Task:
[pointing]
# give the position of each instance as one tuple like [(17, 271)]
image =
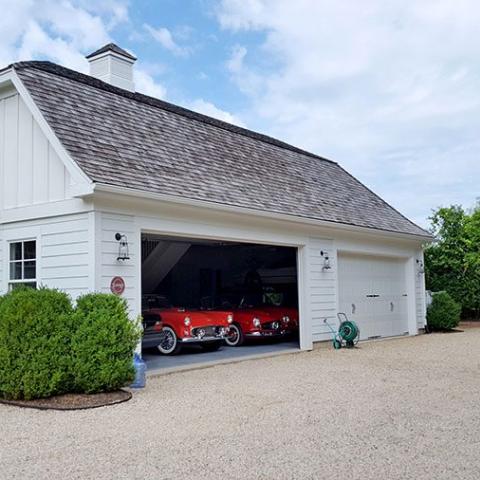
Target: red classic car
[(261, 322), (257, 322), (182, 326)]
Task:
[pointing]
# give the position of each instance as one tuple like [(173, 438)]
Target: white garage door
[(373, 293)]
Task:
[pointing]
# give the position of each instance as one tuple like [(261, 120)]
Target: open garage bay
[(210, 300)]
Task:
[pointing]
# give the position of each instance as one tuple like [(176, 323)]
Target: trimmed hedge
[(34, 345), (443, 313), (48, 348), (103, 343)]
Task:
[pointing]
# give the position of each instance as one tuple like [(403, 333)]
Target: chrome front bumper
[(268, 333), (206, 334), (201, 339)]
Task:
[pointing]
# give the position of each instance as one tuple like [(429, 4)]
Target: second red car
[(262, 322)]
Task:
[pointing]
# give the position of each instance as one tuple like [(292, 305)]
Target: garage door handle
[(373, 296), (353, 308), (392, 306)]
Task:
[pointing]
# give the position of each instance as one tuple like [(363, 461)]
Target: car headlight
[(256, 322), (187, 321), (286, 319), (229, 318)]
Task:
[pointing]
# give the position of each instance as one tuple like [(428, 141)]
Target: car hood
[(290, 311), (198, 318), (206, 317), (265, 314)]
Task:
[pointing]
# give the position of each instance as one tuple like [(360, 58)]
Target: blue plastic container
[(140, 372)]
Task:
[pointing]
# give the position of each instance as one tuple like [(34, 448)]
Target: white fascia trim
[(114, 189), (75, 171)]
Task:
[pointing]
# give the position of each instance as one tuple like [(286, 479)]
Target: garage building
[(84, 158)]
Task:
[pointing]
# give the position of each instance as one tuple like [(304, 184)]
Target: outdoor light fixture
[(122, 247), (420, 267), (326, 261)]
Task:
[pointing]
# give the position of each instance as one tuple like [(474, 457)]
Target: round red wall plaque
[(117, 285)]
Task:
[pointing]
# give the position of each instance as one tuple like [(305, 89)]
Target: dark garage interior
[(205, 275)]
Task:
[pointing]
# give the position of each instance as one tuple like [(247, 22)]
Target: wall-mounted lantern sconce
[(420, 267), (326, 261), (122, 247)]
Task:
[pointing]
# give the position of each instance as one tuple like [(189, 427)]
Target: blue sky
[(387, 89)]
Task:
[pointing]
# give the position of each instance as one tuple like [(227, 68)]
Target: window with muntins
[(23, 264)]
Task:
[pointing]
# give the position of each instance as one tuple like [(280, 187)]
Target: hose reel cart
[(348, 333)]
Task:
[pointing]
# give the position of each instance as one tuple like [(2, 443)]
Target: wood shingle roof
[(131, 140)]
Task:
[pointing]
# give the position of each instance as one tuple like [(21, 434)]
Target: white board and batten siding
[(322, 286), (30, 170), (63, 251)]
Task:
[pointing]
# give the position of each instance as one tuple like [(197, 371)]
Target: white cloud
[(235, 62), (64, 32), (60, 31), (388, 89), (248, 81), (165, 38), (146, 84), (84, 29), (207, 108), (36, 43)]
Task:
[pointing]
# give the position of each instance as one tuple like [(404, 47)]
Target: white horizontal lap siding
[(110, 224), (63, 258), (31, 171), (322, 287), (64, 261)]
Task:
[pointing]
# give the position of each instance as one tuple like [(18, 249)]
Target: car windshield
[(155, 301), (218, 302), (273, 298), (242, 300)]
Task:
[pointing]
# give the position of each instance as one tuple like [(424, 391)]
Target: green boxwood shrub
[(443, 313), (103, 343), (48, 348), (35, 326)]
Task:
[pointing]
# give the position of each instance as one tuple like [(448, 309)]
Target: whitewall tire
[(169, 344)]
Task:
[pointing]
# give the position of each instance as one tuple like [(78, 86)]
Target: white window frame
[(22, 280)]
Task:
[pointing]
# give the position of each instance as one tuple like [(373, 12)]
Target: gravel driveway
[(398, 409)]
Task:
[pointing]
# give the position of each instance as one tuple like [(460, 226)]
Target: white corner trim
[(303, 286), (75, 171), (175, 199), (410, 274)]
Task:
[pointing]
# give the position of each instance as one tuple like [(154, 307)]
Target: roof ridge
[(56, 69)]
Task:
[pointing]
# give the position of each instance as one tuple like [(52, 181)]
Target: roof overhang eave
[(175, 199)]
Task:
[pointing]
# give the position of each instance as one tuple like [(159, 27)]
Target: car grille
[(276, 325), (210, 331)]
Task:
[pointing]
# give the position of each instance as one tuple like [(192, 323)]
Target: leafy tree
[(453, 261)]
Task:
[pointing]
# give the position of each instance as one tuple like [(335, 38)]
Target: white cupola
[(113, 65)]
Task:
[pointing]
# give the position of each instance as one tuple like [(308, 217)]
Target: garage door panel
[(372, 293)]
